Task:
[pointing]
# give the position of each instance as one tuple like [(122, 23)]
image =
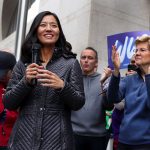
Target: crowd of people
[(50, 101)]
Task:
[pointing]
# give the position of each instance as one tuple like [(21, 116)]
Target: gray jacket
[(90, 119), (44, 119)]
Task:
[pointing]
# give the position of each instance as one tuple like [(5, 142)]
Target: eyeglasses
[(141, 50)]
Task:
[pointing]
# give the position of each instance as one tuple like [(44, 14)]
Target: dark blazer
[(44, 119)]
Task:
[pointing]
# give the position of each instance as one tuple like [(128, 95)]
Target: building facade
[(85, 22)]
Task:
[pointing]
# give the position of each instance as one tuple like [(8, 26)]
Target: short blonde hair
[(143, 38)]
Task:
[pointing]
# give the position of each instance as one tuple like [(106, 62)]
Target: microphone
[(35, 58), (35, 53)]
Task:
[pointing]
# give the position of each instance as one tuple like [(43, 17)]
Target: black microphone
[(35, 58)]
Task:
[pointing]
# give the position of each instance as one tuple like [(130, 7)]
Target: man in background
[(89, 124)]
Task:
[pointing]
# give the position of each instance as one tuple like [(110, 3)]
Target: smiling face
[(142, 54), (48, 31)]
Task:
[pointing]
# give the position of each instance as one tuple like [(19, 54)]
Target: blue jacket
[(135, 127)]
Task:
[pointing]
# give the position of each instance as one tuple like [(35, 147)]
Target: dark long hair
[(63, 47)]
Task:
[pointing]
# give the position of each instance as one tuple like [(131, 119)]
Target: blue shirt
[(135, 126)]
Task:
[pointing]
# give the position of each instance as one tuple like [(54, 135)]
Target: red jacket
[(6, 126)]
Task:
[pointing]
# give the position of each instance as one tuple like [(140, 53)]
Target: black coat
[(44, 119)]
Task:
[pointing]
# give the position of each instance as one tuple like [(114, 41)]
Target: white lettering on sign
[(125, 49)]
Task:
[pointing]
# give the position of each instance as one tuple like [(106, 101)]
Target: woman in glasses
[(135, 90)]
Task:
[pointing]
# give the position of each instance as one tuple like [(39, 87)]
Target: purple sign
[(124, 43)]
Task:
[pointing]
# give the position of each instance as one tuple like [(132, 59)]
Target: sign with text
[(124, 43)]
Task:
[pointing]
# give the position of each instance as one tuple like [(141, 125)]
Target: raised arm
[(113, 89)]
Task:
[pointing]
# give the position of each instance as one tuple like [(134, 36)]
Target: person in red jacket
[(7, 118)]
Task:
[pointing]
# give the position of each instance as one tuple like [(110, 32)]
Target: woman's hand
[(31, 72), (49, 79), (115, 60)]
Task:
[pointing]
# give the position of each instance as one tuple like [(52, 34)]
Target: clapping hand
[(106, 73), (115, 60)]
